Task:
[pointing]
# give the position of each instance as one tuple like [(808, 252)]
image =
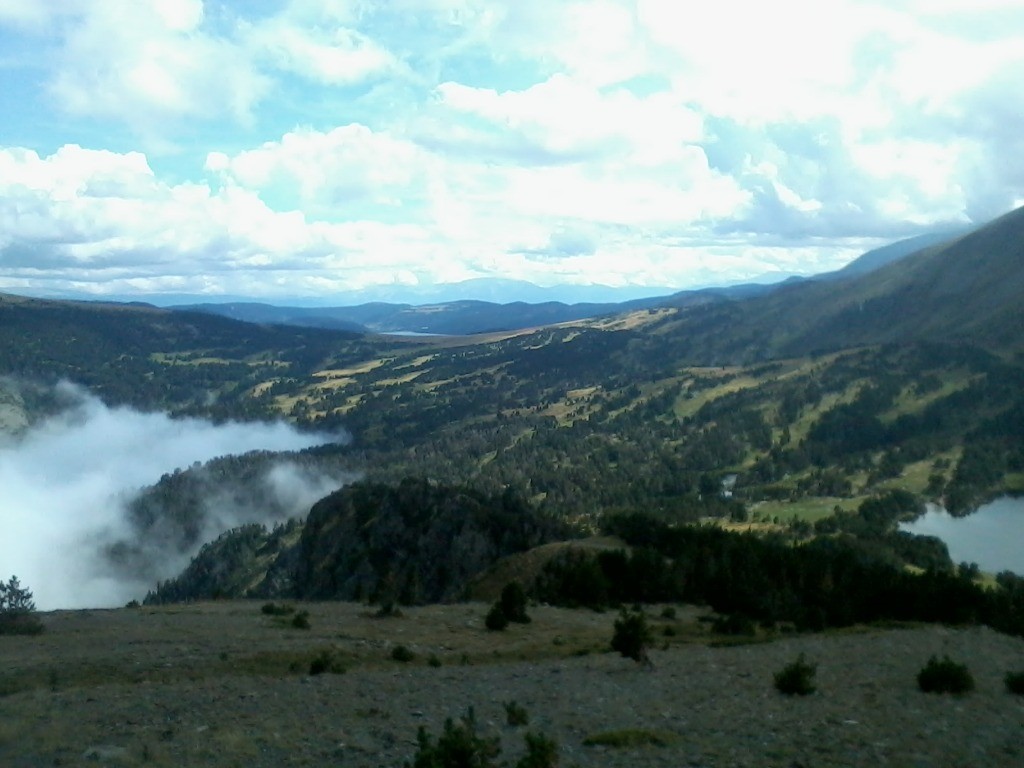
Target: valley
[(745, 461)]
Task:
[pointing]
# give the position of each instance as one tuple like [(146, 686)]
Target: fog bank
[(65, 483)]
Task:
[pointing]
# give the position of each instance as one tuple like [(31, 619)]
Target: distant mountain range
[(465, 317), (929, 287)]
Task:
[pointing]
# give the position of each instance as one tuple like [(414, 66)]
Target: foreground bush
[(513, 603), (326, 662), (944, 676), (402, 654), (275, 609), (1015, 682), (496, 619), (510, 607), (797, 678), (458, 746), (515, 714), (541, 752), (632, 636)]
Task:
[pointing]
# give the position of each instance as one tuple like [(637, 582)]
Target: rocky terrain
[(223, 684)]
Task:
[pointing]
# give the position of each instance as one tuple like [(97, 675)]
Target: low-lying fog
[(65, 483)]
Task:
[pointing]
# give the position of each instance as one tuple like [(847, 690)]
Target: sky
[(316, 148)]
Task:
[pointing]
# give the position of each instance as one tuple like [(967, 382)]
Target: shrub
[(1015, 682), (734, 624), (17, 610), (458, 746), (496, 619), (301, 620), (668, 612), (632, 636), (513, 603), (797, 678), (326, 662), (515, 714), (273, 609), (945, 676), (402, 654), (541, 752), (433, 660)]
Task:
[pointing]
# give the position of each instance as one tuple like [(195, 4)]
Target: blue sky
[(310, 148)]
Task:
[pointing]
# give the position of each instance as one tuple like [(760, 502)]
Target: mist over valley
[(70, 480)]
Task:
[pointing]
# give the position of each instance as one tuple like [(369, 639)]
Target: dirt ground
[(222, 684)]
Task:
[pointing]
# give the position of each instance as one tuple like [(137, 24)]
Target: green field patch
[(689, 403), (810, 509), (352, 371)]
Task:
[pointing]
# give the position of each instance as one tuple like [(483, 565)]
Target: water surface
[(992, 537)]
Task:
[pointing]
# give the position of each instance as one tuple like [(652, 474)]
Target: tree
[(17, 609)]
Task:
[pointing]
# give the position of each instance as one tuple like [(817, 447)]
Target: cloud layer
[(66, 483), (318, 148)]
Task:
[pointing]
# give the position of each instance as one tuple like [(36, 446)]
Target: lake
[(992, 537)]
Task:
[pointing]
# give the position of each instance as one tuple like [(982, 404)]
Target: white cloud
[(150, 61), (415, 141), (565, 118), (329, 169), (338, 56)]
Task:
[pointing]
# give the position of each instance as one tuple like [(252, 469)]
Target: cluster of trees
[(411, 543), (828, 582)]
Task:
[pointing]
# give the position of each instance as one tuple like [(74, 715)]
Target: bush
[(433, 661), (541, 752), (734, 624), (402, 654), (17, 610), (797, 678), (458, 746), (632, 636), (273, 609), (513, 603), (326, 662), (496, 619), (944, 676), (511, 606), (515, 714), (301, 620), (1015, 682)]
